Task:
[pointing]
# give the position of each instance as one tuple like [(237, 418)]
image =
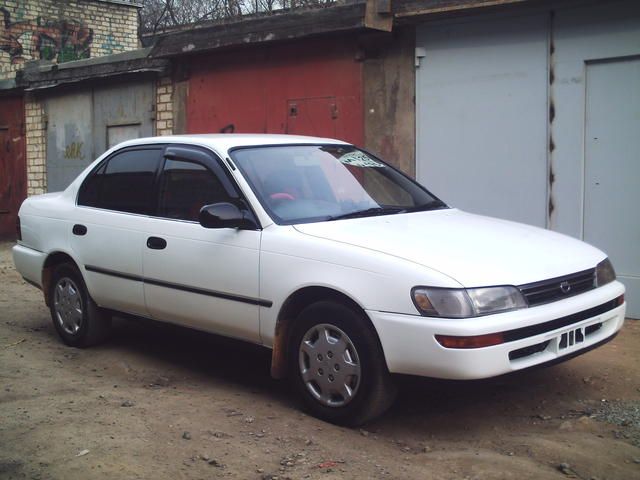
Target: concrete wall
[(389, 97), (63, 30)]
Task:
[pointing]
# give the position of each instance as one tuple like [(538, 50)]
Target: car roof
[(227, 141)]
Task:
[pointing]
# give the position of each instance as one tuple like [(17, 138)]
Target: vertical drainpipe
[(551, 207)]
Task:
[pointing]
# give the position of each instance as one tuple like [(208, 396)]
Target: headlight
[(605, 273), (464, 303)]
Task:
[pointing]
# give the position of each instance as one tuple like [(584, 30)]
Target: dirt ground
[(163, 402)]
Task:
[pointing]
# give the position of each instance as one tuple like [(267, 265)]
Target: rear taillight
[(18, 229)]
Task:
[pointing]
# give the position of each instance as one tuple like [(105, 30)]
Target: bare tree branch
[(156, 15)]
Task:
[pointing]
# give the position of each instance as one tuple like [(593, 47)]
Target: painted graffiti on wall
[(44, 39), (73, 151)]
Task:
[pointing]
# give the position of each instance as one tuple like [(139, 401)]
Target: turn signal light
[(478, 341), (620, 300)]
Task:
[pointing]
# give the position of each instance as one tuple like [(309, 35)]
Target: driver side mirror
[(226, 215)]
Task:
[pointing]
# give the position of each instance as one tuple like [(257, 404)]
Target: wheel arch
[(291, 308), (52, 261)]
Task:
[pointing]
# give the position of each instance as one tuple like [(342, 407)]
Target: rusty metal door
[(84, 124), (13, 176), (312, 116), (319, 77)]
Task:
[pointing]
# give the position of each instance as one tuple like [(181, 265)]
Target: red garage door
[(311, 88), (13, 173)]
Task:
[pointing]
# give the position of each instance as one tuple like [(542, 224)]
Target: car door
[(109, 228), (203, 278)]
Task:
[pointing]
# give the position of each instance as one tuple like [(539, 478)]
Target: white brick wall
[(36, 146), (164, 106)]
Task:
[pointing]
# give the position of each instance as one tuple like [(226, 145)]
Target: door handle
[(156, 243), (79, 229)]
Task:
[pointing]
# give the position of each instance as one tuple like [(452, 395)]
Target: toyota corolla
[(346, 268)]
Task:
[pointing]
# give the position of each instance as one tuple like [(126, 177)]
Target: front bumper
[(410, 346)]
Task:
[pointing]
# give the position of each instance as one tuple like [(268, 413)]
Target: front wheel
[(337, 365), (76, 317)]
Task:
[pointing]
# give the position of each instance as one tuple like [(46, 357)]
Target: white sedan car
[(346, 268)]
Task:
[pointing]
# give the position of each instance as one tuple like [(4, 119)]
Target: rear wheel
[(337, 366), (76, 317)]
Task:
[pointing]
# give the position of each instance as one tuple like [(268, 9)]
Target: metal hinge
[(420, 54)]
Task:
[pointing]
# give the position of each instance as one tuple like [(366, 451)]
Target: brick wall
[(164, 106), (36, 146), (63, 30)]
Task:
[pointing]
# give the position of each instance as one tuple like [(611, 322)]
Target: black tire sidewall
[(70, 271), (366, 345)]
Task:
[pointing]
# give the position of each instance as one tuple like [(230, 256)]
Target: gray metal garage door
[(481, 91), (612, 168), (596, 132), (84, 124), (535, 118)]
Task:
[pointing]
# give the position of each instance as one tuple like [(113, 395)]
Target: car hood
[(472, 249)]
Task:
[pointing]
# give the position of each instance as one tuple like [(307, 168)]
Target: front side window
[(311, 183), (124, 183), (186, 187)]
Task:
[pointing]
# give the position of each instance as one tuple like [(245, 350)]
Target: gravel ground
[(623, 414), (164, 402)]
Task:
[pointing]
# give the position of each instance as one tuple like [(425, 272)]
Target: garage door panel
[(84, 124), (481, 115), (582, 34), (69, 138), (612, 168)]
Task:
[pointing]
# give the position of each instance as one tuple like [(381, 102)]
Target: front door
[(612, 168), (203, 278)]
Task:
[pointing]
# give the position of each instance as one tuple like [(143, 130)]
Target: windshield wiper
[(369, 212)]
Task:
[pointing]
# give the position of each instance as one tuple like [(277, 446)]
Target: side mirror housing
[(226, 215)]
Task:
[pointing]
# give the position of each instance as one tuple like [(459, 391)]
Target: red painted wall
[(311, 87)]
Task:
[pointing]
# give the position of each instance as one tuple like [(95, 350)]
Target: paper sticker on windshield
[(359, 159)]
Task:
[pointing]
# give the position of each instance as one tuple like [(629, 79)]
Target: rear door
[(109, 231), (203, 278)]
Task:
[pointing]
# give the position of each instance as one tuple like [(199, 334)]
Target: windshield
[(312, 183)]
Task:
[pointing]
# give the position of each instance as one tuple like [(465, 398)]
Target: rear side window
[(125, 183)]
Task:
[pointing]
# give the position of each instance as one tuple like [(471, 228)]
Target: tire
[(76, 317), (337, 366)]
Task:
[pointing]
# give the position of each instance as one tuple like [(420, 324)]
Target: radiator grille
[(558, 288)]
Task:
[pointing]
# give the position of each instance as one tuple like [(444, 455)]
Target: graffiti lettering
[(43, 39), (73, 151)]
